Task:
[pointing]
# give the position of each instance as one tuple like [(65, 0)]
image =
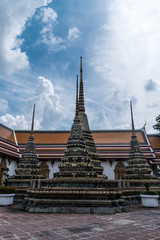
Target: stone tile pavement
[(138, 224)]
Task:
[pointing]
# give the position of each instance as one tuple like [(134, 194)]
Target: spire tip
[(133, 129), (81, 94), (32, 127)]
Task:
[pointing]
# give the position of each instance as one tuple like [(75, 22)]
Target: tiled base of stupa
[(85, 196), (74, 201), (29, 178), (22, 185), (76, 196)]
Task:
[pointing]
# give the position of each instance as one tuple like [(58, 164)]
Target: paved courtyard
[(139, 224)]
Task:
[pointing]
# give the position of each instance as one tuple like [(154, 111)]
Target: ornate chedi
[(80, 158), (91, 148), (138, 167), (76, 161), (79, 186), (28, 167)]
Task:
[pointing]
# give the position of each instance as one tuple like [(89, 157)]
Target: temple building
[(109, 151)]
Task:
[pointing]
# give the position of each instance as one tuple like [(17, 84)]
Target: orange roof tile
[(100, 137), (154, 141), (11, 137), (6, 133), (113, 137), (43, 137)]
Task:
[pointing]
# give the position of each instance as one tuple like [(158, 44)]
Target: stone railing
[(123, 185)]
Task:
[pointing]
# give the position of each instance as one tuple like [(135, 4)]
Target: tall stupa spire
[(76, 162), (77, 105), (81, 93), (135, 148), (133, 129), (32, 126), (30, 147)]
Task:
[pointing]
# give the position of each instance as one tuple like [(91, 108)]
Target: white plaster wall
[(125, 163), (109, 169), (12, 167), (55, 166), (52, 169)]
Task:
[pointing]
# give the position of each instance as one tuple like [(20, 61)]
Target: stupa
[(76, 162), (28, 169), (90, 144), (80, 185), (138, 167)]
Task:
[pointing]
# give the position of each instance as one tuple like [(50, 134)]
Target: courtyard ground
[(138, 224)]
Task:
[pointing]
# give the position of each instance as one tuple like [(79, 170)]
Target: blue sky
[(41, 44)]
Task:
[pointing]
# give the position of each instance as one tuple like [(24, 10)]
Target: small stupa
[(138, 167), (28, 167)]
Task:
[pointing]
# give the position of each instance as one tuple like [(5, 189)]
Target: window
[(119, 170), (44, 169), (3, 167)]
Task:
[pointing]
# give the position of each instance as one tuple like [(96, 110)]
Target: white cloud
[(49, 18), (73, 33), (12, 122), (13, 17), (49, 109), (99, 119), (54, 108), (48, 15), (125, 55)]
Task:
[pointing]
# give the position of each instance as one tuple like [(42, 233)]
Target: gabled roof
[(6, 133), (109, 144), (61, 137), (7, 142), (51, 144), (154, 140), (117, 136), (43, 137)]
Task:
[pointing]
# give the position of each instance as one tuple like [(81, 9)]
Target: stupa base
[(76, 210), (76, 200)]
